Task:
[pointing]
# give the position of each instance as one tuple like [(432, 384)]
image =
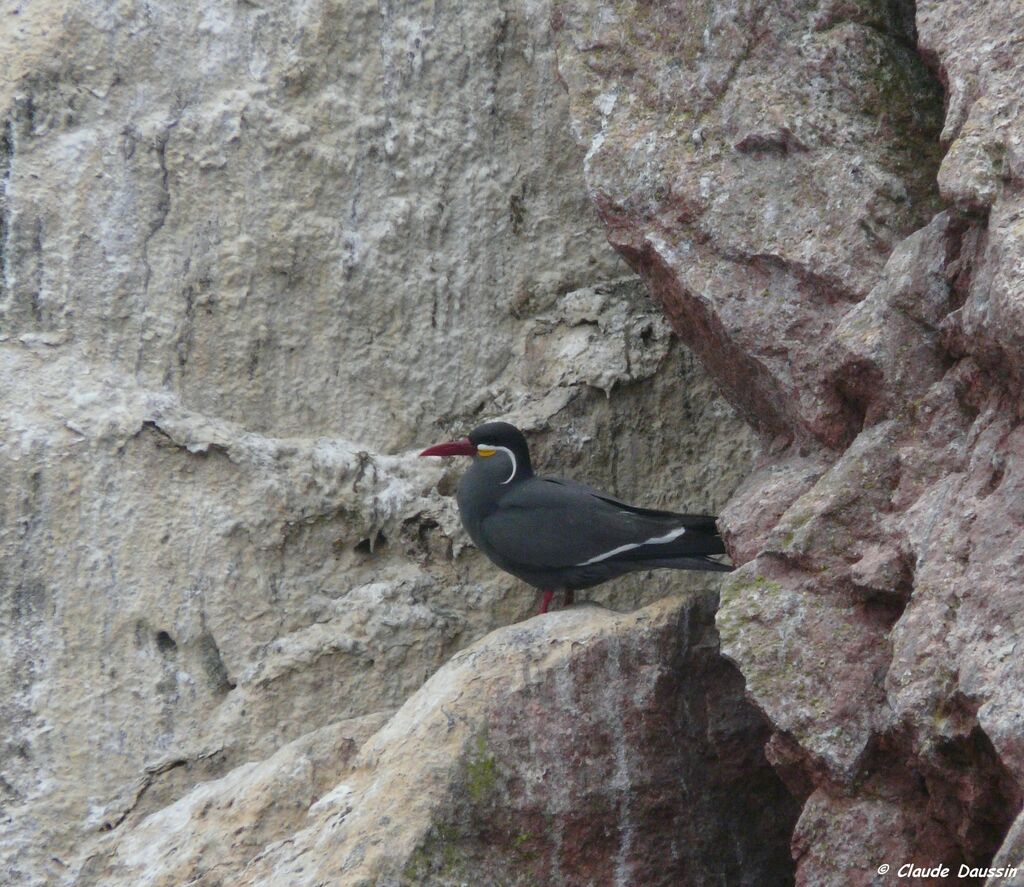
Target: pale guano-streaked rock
[(584, 748), (776, 172), (251, 258), (237, 605), (220, 825), (231, 819)]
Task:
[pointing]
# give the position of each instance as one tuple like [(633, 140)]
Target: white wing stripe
[(657, 540)]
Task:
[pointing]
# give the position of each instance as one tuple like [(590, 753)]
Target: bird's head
[(493, 439)]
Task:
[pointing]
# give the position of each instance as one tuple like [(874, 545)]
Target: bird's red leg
[(548, 594), (570, 597)]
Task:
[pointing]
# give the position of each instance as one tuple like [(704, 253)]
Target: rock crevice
[(253, 257), (875, 610)]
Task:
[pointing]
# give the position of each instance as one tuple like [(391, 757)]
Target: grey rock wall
[(585, 748), (253, 256)]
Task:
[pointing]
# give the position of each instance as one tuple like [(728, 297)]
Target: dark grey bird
[(557, 534)]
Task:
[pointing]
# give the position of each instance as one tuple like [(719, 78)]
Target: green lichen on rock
[(445, 854), (481, 772), (439, 857), (738, 584)]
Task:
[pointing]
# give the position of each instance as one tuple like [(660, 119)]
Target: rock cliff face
[(588, 748), (253, 255), (849, 268)]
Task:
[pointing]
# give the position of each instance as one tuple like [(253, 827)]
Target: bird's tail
[(700, 547), (692, 562)]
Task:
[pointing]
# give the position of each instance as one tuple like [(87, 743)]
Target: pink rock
[(774, 174)]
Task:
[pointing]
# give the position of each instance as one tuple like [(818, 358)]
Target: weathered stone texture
[(584, 748), (722, 171), (775, 171), (248, 253)]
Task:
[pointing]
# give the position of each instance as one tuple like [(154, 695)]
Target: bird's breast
[(474, 502)]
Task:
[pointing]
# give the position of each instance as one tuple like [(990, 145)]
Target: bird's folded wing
[(557, 524)]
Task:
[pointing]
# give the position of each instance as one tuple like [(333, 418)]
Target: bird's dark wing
[(705, 523), (558, 524)]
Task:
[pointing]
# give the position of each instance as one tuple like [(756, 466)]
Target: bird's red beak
[(464, 447)]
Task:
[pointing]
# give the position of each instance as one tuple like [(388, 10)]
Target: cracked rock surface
[(587, 748), (825, 197), (252, 258)]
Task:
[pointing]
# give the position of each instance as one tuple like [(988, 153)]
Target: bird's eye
[(481, 451)]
